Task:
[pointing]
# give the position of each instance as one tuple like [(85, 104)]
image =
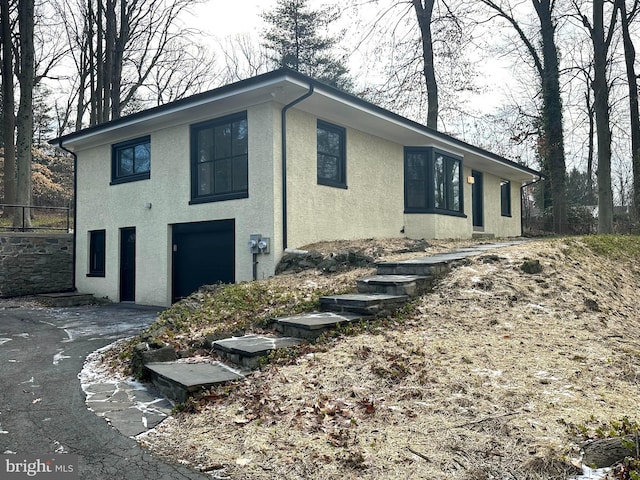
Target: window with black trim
[(433, 182), (131, 160), (331, 163), (505, 198), (97, 249), (219, 159)]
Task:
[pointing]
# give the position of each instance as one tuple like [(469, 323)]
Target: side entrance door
[(203, 254), (477, 200), (128, 264)]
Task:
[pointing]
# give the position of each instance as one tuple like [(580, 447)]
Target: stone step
[(437, 264), (411, 285), (483, 235), (313, 324), (375, 304), (66, 299), (180, 380), (246, 351)]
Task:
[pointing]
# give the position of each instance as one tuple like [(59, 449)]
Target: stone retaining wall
[(32, 263)]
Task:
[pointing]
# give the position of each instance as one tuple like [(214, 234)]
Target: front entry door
[(128, 264), (476, 200)]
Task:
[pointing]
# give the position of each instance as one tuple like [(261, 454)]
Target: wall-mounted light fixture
[(471, 180)]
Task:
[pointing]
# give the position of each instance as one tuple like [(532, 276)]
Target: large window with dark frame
[(433, 182), (131, 160), (219, 159), (505, 198), (331, 163), (97, 249)]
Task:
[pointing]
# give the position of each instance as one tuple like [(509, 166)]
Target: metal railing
[(27, 212)]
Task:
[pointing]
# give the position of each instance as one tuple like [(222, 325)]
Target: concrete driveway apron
[(42, 405)]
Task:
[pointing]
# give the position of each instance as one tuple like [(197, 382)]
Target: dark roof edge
[(168, 106), (417, 125), (282, 72)]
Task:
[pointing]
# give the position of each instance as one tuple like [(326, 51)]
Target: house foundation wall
[(32, 263)]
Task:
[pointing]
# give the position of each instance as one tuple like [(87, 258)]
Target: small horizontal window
[(131, 161)]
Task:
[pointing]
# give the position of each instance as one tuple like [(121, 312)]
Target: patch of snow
[(487, 372), (58, 357), (4, 340), (591, 474), (545, 375), (59, 447), (535, 306), (23, 335)]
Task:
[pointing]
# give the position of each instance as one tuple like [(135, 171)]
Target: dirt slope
[(494, 375)]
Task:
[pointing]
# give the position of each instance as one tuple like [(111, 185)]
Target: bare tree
[(423, 45), (626, 18), (185, 69), (24, 119), (8, 105), (601, 37), (243, 58), (120, 47), (545, 60), (424, 14)]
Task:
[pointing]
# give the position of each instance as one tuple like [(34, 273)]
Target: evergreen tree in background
[(294, 41)]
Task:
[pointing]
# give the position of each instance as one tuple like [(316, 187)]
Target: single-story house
[(215, 187)]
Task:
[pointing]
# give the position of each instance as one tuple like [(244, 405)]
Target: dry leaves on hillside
[(486, 378)]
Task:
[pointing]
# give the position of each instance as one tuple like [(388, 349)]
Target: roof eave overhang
[(283, 86)]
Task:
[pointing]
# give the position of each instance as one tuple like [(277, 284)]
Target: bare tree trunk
[(634, 112), (424, 14), (97, 65), (118, 55), (8, 110), (551, 145), (24, 120), (590, 146), (552, 116), (109, 58), (601, 106)]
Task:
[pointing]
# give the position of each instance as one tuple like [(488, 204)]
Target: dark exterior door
[(127, 264), (203, 254), (476, 199)]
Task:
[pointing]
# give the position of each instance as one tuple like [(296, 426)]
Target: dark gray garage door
[(203, 254)]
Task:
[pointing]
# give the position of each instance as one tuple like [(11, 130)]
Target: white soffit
[(284, 89)]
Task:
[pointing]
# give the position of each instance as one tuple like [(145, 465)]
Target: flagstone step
[(179, 380), (66, 299), (246, 351), (410, 285), (313, 324), (424, 266), (375, 304)]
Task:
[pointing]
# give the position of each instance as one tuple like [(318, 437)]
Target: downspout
[(522, 201), (75, 229), (284, 162)]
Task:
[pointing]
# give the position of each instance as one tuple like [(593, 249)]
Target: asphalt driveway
[(42, 406)]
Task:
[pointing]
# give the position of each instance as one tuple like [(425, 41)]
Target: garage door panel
[(203, 254)]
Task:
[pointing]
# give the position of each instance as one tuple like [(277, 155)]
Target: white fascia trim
[(443, 139), (170, 111)]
